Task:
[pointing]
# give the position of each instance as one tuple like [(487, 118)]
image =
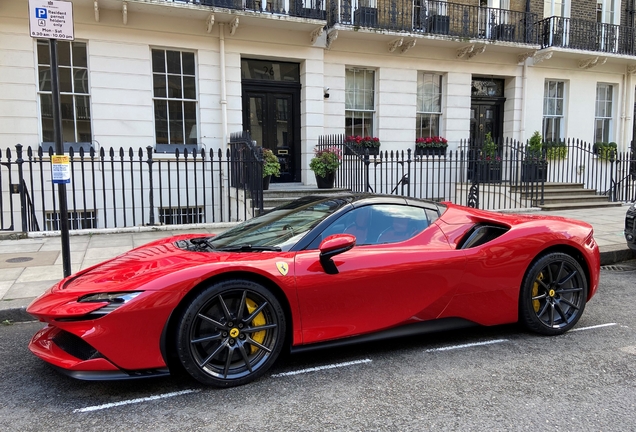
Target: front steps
[(283, 193), (570, 196)]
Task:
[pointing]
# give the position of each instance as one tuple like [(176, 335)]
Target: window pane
[(44, 73), (83, 118), (46, 114), (188, 63), (79, 54), (82, 108), (159, 85), (174, 87), (174, 61), (176, 122), (190, 117), (189, 87), (43, 52), (158, 61), (80, 80), (68, 118), (63, 53), (65, 79), (161, 121)]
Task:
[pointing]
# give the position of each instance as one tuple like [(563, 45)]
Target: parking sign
[(51, 19)]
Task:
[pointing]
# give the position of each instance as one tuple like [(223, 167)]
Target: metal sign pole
[(52, 20), (59, 150)]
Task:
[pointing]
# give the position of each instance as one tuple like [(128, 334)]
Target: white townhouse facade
[(186, 74)]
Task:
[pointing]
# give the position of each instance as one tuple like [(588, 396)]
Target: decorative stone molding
[(464, 51), (470, 51), (592, 62), (331, 37), (210, 23), (234, 25), (96, 7), (124, 12), (525, 56), (477, 51), (315, 34), (541, 57), (407, 46), (394, 44), (631, 69)]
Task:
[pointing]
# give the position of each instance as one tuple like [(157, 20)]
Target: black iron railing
[(510, 178), (586, 35), (134, 187), (247, 168), (435, 17)]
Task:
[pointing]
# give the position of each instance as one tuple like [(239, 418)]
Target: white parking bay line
[(593, 327), (319, 368), (469, 345), (133, 401)]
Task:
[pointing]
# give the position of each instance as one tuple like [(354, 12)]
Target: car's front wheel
[(553, 294), (231, 333)]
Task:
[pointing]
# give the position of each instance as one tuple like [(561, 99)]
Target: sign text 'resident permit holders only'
[(51, 19)]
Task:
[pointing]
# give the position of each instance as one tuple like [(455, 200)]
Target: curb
[(12, 311)]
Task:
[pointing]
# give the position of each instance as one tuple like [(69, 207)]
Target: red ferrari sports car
[(320, 271)]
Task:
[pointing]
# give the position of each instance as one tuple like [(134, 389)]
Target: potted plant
[(431, 146), (534, 167), (555, 150), (489, 162), (271, 167), (359, 144), (605, 150), (324, 165)]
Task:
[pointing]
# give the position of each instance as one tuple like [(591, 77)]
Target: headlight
[(114, 300)]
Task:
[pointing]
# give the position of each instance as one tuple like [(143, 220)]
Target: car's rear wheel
[(231, 333), (553, 294)]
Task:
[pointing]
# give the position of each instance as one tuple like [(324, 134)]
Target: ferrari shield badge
[(282, 267)]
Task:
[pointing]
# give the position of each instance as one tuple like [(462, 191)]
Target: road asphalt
[(30, 265)]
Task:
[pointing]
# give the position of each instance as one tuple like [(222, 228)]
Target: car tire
[(553, 294), (230, 333)]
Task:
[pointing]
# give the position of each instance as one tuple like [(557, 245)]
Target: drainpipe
[(524, 95), (626, 117), (223, 83)]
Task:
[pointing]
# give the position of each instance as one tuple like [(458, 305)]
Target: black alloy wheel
[(553, 294), (231, 333)]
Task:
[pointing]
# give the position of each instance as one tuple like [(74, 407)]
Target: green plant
[(325, 161), (605, 150), (555, 150), (271, 166), (534, 147), (489, 149)]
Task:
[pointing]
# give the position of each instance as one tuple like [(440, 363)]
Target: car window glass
[(379, 223)]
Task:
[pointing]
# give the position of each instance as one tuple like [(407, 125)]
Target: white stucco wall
[(121, 80)]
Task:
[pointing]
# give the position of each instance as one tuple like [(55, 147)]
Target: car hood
[(148, 267)]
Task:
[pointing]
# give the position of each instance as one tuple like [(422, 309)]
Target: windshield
[(283, 227)]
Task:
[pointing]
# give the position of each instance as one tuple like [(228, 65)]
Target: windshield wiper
[(202, 241), (249, 248)]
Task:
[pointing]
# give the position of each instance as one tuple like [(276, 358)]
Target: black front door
[(485, 117), (271, 111), (270, 117)]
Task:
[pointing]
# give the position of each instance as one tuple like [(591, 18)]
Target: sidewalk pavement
[(29, 266)]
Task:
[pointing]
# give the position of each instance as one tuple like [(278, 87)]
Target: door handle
[(481, 128)]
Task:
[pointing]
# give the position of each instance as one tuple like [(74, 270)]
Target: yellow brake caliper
[(258, 320), (535, 291)]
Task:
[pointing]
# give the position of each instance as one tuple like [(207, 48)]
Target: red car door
[(378, 286)]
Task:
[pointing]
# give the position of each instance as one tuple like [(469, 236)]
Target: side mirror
[(332, 246)]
